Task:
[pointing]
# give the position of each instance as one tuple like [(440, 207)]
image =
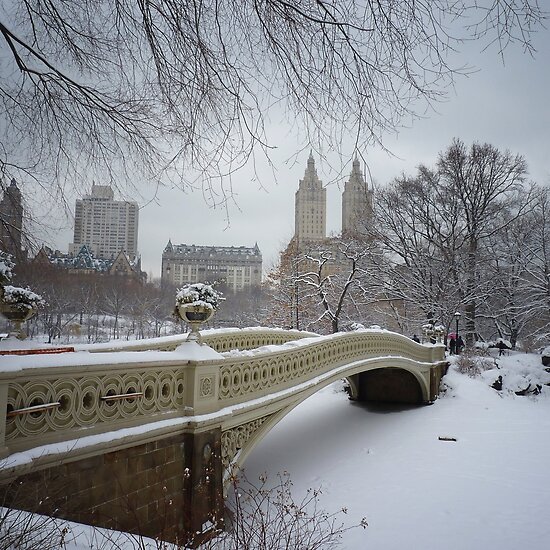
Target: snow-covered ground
[(487, 490)]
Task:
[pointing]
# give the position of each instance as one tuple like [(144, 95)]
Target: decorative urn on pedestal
[(19, 305), (439, 332), (16, 304), (195, 304), (427, 332)]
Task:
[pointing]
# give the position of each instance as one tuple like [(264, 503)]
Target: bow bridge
[(144, 438)]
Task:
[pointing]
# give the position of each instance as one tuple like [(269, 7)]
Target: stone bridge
[(144, 439)]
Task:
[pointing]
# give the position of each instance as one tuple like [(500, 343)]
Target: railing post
[(204, 504), (438, 353), (437, 370), (202, 387)]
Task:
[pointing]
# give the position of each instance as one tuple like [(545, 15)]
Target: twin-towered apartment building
[(310, 223)]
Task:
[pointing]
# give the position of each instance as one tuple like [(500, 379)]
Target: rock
[(497, 384)]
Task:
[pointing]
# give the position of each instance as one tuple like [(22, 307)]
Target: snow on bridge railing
[(220, 339), (128, 395)]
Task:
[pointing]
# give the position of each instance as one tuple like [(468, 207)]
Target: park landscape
[(380, 383)]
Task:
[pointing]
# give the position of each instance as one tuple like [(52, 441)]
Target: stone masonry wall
[(144, 489)]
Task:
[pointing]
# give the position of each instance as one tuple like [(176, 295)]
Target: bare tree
[(25, 530), (437, 228), (335, 281), (528, 269), (242, 308), (285, 307), (488, 186), (419, 230), (95, 88), (266, 515), (510, 309)]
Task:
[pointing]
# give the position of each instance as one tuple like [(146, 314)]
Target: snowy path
[(488, 490)]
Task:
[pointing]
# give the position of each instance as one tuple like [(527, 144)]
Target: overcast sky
[(504, 103)]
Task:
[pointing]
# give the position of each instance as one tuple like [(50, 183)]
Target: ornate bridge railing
[(192, 418), (64, 397), (256, 375)]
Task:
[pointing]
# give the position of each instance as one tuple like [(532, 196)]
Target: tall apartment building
[(356, 202), (310, 222), (11, 221), (104, 225), (239, 267)]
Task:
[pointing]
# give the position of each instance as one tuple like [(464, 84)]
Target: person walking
[(459, 345), (452, 345)]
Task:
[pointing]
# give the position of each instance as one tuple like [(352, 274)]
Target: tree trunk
[(513, 337), (470, 309)]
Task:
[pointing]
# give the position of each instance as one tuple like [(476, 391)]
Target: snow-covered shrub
[(473, 365), (23, 298), (503, 342), (25, 530), (498, 343), (199, 294), (479, 345), (266, 516)]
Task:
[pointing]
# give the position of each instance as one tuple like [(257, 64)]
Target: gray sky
[(504, 103)]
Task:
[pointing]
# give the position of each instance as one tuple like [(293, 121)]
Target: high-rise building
[(239, 267), (356, 202), (104, 225), (310, 207), (11, 221)]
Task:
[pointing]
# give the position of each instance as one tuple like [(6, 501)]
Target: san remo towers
[(310, 225)]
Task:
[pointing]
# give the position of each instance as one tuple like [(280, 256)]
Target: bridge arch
[(370, 380), (389, 385)]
